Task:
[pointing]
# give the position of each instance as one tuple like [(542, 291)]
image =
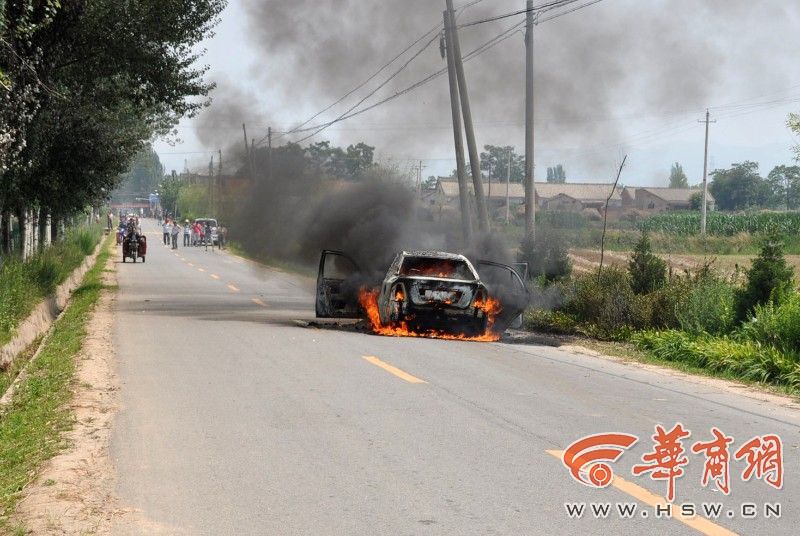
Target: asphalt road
[(236, 420)]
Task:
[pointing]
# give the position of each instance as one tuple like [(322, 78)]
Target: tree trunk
[(54, 234), (5, 232), (22, 223), (44, 228)]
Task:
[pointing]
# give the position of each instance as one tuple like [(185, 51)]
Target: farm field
[(587, 260)]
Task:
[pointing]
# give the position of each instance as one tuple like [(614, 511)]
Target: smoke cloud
[(614, 58)]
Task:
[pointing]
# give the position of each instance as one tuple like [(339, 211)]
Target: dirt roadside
[(73, 493)]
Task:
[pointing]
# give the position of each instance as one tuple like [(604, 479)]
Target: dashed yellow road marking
[(698, 523), (215, 276), (201, 270), (190, 264), (233, 288), (393, 370), (259, 302)]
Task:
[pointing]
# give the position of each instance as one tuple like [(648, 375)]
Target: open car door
[(337, 289), (505, 284)]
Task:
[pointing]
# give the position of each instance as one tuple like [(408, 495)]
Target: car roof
[(432, 254)]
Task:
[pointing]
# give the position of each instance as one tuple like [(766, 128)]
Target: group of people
[(194, 234)]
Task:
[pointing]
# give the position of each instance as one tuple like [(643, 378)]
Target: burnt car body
[(425, 291)]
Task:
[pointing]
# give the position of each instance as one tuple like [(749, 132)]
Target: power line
[(502, 36), (371, 93), (361, 85), (535, 9)]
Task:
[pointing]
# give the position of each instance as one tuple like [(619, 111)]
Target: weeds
[(30, 430), (24, 284)]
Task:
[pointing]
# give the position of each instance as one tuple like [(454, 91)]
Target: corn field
[(722, 224)]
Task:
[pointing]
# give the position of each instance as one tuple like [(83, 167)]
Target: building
[(654, 199), (549, 196)]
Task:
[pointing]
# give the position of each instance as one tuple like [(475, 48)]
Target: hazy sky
[(619, 77)]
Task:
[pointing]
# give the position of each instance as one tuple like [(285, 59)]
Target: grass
[(24, 284), (32, 426)]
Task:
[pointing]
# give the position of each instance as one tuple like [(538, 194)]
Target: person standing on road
[(207, 236), (165, 228), (175, 231), (187, 233)]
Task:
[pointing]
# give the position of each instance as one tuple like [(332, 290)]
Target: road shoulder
[(73, 492)]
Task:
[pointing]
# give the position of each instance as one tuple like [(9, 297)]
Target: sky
[(621, 77)]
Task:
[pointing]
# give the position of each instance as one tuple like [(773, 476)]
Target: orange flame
[(369, 302)]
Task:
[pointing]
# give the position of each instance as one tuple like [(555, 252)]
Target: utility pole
[(530, 185), (210, 183), (419, 180), (253, 157), (474, 158), (463, 192), (269, 153), (508, 182), (704, 208), (218, 193), (247, 154)]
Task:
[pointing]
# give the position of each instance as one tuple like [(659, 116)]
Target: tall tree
[(677, 178), (556, 174), (737, 188), (794, 125), (144, 173), (784, 183), (494, 163)]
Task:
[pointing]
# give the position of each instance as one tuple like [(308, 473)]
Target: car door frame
[(513, 318), (322, 306)]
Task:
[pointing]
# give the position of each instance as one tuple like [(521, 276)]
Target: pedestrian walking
[(175, 231), (165, 228), (187, 233)]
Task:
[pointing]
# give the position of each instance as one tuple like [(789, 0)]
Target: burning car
[(424, 293)]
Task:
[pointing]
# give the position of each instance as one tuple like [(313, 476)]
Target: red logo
[(585, 457)]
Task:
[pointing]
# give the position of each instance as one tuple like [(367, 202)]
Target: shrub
[(648, 272), (768, 279), (707, 307), (548, 256), (775, 325), (608, 304)]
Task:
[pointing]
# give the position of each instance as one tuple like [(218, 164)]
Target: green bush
[(607, 304), (747, 360), (548, 256), (648, 272), (775, 325), (707, 307), (769, 279), (23, 284), (550, 321)]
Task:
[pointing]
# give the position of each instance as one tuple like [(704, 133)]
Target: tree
[(677, 178), (107, 76), (769, 279), (737, 188), (144, 173), (794, 124), (785, 185), (696, 201), (494, 163), (556, 174), (648, 271)]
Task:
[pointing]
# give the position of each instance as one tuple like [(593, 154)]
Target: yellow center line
[(393, 370), (233, 288), (190, 264), (215, 276), (259, 302), (700, 524), (201, 270)]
